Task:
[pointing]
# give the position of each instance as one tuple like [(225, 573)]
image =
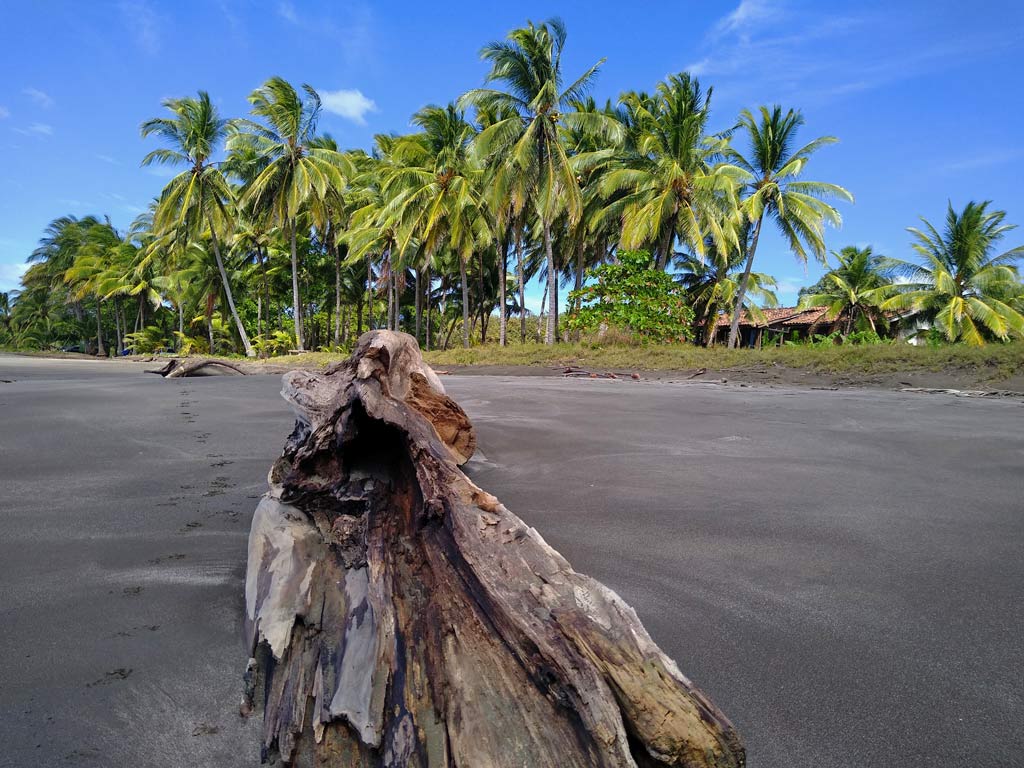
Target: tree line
[(271, 237)]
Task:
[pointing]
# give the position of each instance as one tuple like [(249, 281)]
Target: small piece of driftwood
[(398, 615)]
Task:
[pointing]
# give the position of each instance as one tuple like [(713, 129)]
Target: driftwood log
[(399, 615), (198, 366)]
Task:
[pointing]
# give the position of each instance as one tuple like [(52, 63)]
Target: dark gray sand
[(841, 570)]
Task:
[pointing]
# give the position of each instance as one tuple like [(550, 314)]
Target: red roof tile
[(784, 316)]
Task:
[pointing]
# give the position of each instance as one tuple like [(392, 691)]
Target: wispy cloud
[(4, 112), (348, 27), (350, 104), (142, 21), (40, 98), (162, 171), (108, 159), (982, 160), (287, 12), (768, 51), (746, 15), (37, 129), (10, 273)]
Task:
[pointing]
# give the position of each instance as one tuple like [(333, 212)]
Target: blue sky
[(925, 97)]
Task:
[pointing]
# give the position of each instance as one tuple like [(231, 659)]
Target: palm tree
[(959, 283), (857, 288), (799, 208), (529, 64), (435, 192), (712, 280), (89, 276), (200, 196), (673, 186), (297, 171)]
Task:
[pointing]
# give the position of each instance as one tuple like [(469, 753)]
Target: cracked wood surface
[(399, 615)]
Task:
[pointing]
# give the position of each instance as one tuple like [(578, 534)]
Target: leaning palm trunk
[(741, 291), (398, 615), (227, 293), (296, 306)]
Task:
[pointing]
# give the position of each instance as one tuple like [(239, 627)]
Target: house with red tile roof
[(773, 325)]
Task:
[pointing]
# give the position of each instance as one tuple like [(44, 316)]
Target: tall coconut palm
[(199, 197), (673, 186), (961, 285), (436, 191), (856, 288), (799, 208), (529, 64), (712, 280), (297, 171)]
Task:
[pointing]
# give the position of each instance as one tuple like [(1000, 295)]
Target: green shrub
[(631, 296), (150, 339)]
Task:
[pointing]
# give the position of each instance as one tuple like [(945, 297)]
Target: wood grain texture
[(401, 616)]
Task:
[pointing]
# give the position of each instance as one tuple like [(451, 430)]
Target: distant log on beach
[(198, 366), (399, 615)]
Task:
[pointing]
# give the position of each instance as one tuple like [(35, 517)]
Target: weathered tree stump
[(401, 616)]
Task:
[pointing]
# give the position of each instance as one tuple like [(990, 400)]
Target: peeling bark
[(398, 615)]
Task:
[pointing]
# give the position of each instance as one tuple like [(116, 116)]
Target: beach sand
[(839, 570)]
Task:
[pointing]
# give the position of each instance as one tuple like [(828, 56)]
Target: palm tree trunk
[(465, 301), (419, 303), (551, 335), (579, 280), (666, 245), (296, 306), (741, 292), (227, 291), (540, 317), (266, 287), (369, 293), (522, 286), (427, 335), (391, 295), (100, 351), (502, 297), (337, 291), (480, 296)]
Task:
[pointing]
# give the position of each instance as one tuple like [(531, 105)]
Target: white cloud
[(41, 98), (162, 171), (287, 12), (747, 14), (142, 21), (108, 159), (4, 113), (39, 129), (10, 275), (350, 104)]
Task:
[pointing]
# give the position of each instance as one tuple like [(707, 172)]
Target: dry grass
[(993, 362)]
